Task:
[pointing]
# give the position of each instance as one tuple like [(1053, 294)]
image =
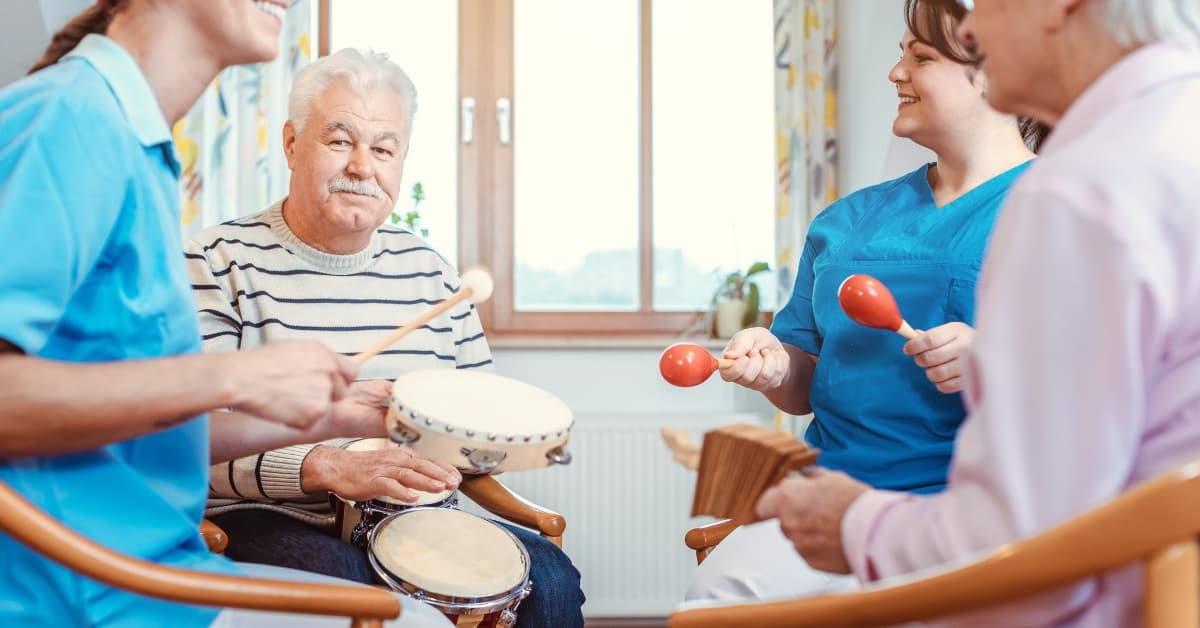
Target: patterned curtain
[(805, 126), (230, 142)]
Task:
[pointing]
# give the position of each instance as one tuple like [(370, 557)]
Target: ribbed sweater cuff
[(280, 472)]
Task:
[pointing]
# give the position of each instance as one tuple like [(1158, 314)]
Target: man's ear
[(289, 144), (1057, 12)]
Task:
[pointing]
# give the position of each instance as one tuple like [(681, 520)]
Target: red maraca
[(868, 302), (686, 364)]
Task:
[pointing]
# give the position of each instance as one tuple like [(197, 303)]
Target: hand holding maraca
[(941, 351), (765, 363)]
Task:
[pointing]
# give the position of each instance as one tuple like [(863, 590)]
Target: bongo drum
[(479, 422), (354, 520), (471, 569)]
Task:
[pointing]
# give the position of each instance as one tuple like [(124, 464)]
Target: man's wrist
[(315, 467)]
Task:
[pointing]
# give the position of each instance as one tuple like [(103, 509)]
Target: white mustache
[(341, 183)]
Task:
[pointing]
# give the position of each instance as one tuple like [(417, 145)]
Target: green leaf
[(757, 267), (752, 306)]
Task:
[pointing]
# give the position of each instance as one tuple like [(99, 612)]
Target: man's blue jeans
[(272, 538)]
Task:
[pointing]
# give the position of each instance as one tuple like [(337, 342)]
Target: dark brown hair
[(94, 19), (935, 24)]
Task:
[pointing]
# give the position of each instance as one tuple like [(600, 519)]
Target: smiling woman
[(924, 236)]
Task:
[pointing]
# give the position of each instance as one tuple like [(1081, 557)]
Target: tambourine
[(477, 421)]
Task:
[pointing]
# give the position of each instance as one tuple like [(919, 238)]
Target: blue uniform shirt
[(92, 272), (876, 416)]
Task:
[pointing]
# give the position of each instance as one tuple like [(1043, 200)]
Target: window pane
[(714, 153), (421, 36), (575, 154)]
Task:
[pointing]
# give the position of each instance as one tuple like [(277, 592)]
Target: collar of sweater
[(329, 262)]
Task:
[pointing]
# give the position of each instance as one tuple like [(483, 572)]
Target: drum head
[(450, 553), (423, 498), (481, 402)]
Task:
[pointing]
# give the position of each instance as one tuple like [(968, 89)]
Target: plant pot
[(728, 315)]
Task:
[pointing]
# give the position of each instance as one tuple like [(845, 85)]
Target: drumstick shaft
[(404, 329)]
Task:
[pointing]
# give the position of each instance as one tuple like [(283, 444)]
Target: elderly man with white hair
[(321, 265), (1084, 376)]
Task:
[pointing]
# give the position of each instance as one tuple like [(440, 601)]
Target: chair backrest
[(1159, 523)]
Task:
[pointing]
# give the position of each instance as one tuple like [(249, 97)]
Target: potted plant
[(412, 218), (736, 301)]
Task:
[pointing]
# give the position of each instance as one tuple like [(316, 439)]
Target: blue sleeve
[(61, 191), (796, 324)]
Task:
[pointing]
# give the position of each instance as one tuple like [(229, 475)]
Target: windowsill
[(599, 342)]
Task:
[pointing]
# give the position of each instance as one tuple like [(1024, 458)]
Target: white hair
[(362, 69), (1137, 22)]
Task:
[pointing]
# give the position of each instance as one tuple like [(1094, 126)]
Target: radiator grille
[(626, 503)]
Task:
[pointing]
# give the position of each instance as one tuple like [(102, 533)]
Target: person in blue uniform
[(102, 387), (885, 411)]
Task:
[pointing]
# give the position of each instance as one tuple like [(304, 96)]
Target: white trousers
[(413, 614), (757, 562)]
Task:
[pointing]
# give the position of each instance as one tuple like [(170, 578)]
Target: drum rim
[(421, 421), (462, 605)]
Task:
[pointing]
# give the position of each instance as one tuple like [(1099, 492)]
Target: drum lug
[(401, 433), (559, 455), (484, 460)]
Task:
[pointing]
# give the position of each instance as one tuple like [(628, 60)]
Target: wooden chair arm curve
[(497, 499), (47, 536), (1153, 519), (214, 537), (709, 535)]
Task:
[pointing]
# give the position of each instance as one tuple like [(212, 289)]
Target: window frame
[(486, 186)]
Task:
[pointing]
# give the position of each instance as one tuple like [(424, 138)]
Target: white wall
[(26, 32), (870, 32)]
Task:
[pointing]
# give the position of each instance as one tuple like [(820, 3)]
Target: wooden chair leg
[(1172, 586)]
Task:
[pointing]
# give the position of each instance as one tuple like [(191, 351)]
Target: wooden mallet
[(476, 285)]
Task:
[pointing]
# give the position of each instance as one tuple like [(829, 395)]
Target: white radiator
[(626, 503)]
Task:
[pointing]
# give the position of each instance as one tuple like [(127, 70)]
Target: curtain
[(805, 126), (230, 144)]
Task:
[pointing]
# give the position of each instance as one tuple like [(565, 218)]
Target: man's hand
[(941, 351), (810, 511), (394, 471), (362, 412), (761, 363), (293, 383)]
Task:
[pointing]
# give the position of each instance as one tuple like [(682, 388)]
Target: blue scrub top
[(93, 272), (876, 416)]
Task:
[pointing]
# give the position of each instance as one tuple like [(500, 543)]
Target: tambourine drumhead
[(479, 421), (450, 552), (481, 402), (423, 498)]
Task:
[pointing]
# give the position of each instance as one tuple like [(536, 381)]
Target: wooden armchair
[(1158, 523), (484, 490), (367, 607), (495, 498), (704, 538)]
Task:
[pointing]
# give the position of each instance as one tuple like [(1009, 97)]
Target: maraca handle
[(724, 363), (907, 331)]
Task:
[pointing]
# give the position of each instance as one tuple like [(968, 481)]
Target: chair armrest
[(495, 498), (367, 606), (1158, 522), (704, 538), (214, 536)]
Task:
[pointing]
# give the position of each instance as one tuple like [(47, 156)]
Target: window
[(609, 161)]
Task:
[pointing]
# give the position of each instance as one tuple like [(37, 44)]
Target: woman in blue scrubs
[(884, 411), (102, 387)]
